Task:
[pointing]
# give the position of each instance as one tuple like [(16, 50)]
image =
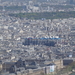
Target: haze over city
[(37, 37)]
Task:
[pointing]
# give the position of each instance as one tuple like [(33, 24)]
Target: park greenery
[(45, 15), (68, 69)]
